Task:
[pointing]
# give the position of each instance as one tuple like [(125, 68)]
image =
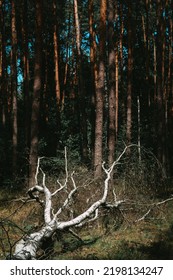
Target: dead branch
[(27, 247), (152, 207)]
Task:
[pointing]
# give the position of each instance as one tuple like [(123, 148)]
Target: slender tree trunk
[(65, 77), (168, 51), (116, 93), (93, 64), (155, 69), (67, 56), (1, 70), (5, 115), (24, 16), (100, 93), (160, 82), (57, 79), (139, 129), (129, 78), (81, 88), (1, 28), (170, 91), (14, 85), (111, 65), (123, 107), (36, 95), (56, 57), (145, 25)]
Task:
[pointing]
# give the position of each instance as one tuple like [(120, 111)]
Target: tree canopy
[(88, 75)]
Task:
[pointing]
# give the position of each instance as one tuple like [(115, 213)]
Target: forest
[(83, 83)]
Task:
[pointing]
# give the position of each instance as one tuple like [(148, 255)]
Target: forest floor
[(150, 238)]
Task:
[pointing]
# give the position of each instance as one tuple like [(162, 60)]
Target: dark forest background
[(89, 75)]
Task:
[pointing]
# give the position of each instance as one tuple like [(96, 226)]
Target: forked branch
[(27, 247)]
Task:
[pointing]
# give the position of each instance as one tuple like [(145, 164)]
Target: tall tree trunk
[(155, 69), (81, 88), (57, 79), (100, 93), (24, 17), (116, 93), (145, 26), (1, 50), (1, 27), (56, 57), (129, 75), (160, 82), (123, 107), (4, 92), (93, 64), (67, 56), (170, 90), (36, 94), (168, 51), (111, 65), (14, 85)]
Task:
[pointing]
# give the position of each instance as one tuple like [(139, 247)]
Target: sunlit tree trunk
[(57, 75), (36, 94), (14, 85), (100, 93), (56, 57), (111, 84)]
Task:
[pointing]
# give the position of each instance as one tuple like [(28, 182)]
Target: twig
[(66, 179), (66, 202), (153, 205), (144, 216)]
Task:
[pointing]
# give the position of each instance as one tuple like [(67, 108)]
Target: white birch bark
[(27, 247)]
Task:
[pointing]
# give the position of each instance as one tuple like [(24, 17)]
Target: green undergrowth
[(150, 238)]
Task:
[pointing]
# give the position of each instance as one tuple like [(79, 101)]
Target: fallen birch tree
[(27, 247)]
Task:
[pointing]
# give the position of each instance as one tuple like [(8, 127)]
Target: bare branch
[(48, 205), (153, 205), (66, 178), (27, 247), (144, 216), (66, 202), (37, 170)]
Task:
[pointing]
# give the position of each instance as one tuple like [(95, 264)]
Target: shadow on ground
[(162, 249)]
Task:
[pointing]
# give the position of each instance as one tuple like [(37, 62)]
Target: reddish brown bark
[(93, 49), (100, 93), (56, 57), (111, 65), (81, 88), (36, 95), (14, 85)]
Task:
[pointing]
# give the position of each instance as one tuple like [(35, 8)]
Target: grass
[(151, 238)]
